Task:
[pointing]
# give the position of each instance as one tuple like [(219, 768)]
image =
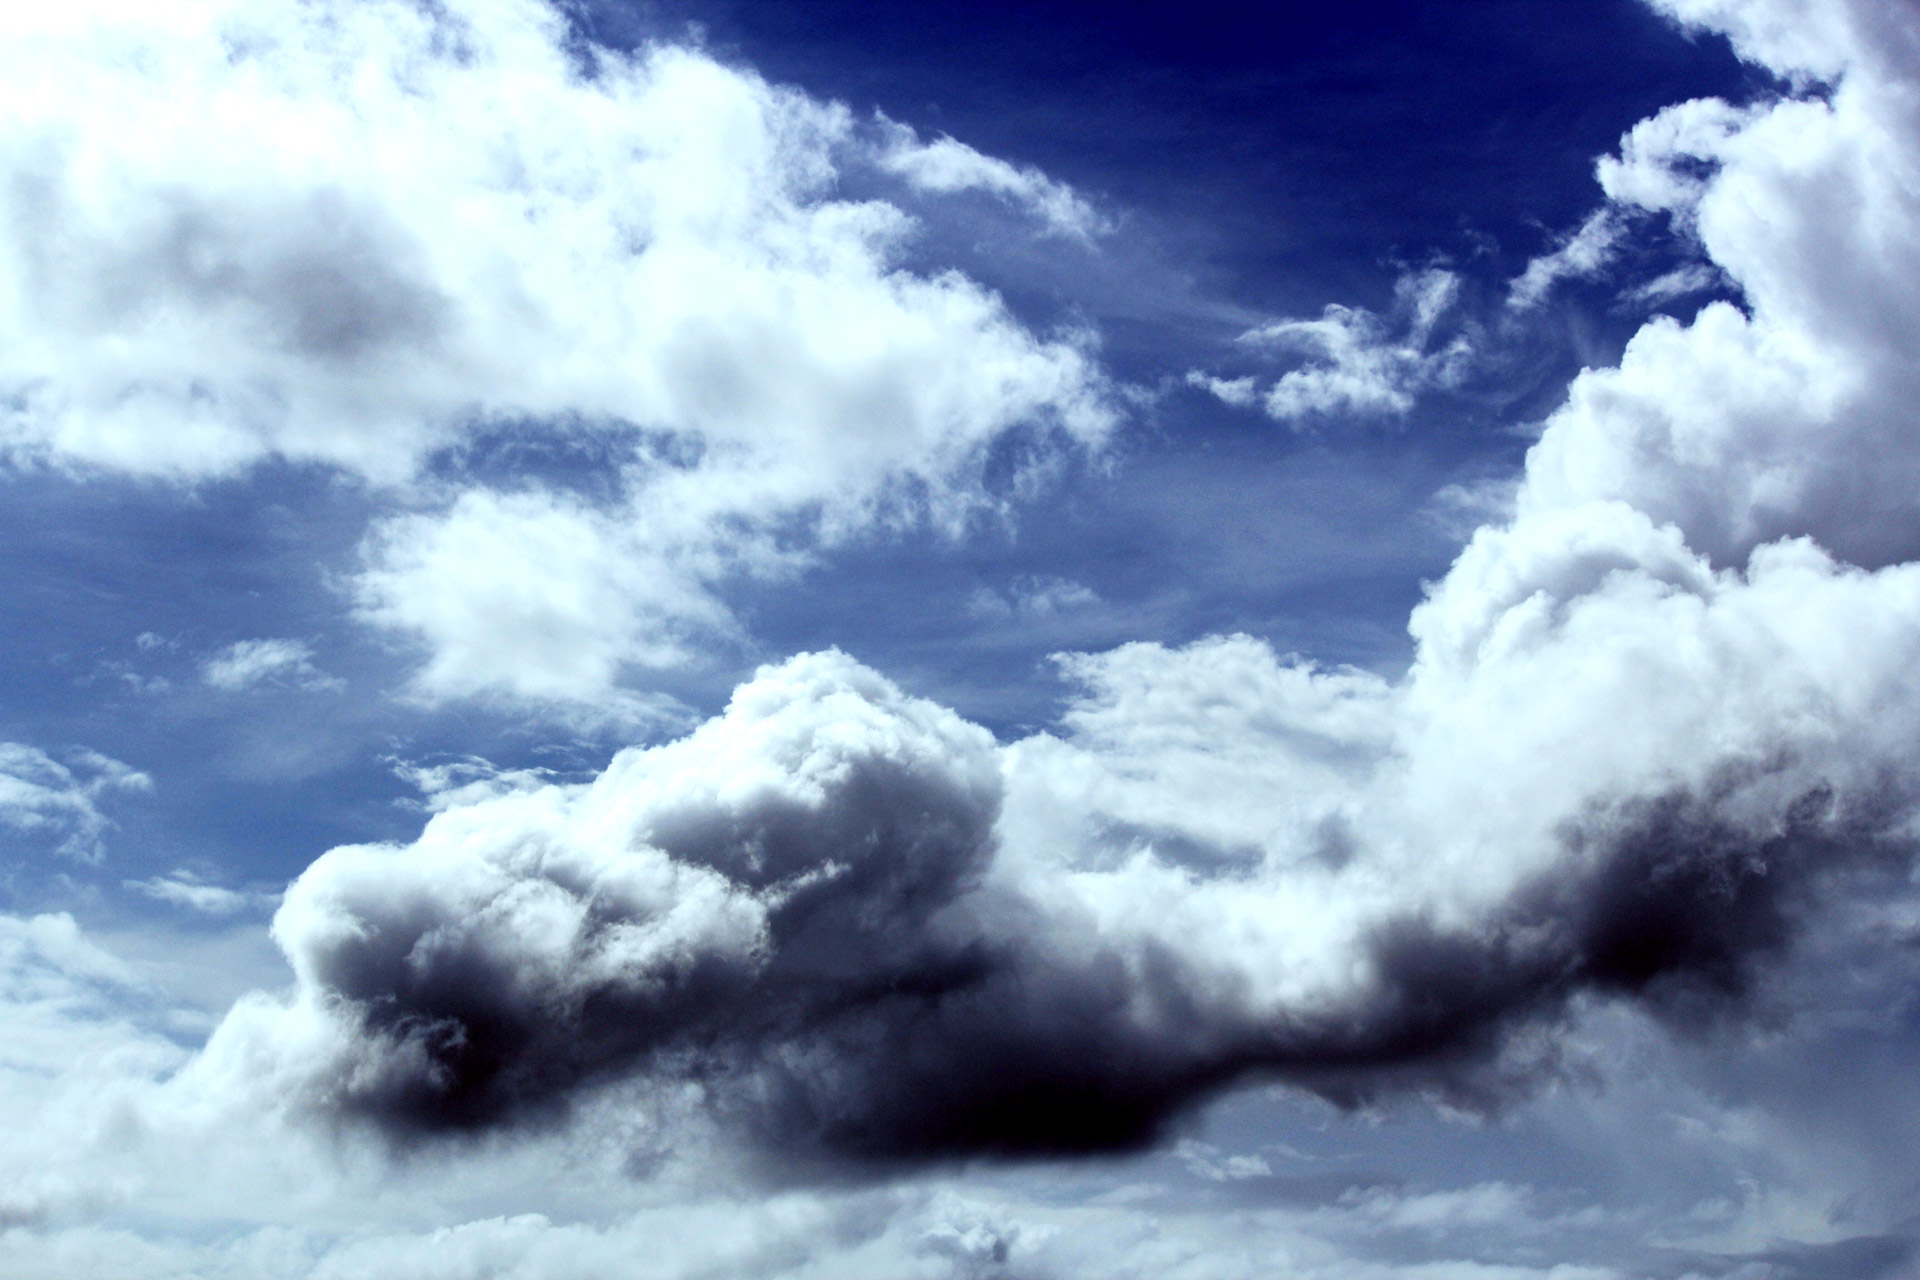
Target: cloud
[(72, 1033), (246, 664), (1031, 597), (542, 598), (793, 856), (183, 888), (43, 798), (1788, 416), (105, 1153), (1207, 1161), (469, 227), (940, 1234), (827, 907), (1652, 764), (947, 165), (383, 238), (467, 780), (1354, 363), (1643, 749), (1581, 255)]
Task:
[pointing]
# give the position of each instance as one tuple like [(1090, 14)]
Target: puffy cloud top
[(346, 232)]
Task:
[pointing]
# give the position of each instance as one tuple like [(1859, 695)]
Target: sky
[(690, 639)]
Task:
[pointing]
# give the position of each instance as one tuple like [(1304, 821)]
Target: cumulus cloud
[(1353, 361), (542, 597), (246, 663), (44, 798), (786, 870), (1654, 752), (364, 234), (815, 907), (343, 233), (1646, 741), (1790, 416)]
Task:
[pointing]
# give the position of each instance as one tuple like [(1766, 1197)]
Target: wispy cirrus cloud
[(49, 799), (245, 664)]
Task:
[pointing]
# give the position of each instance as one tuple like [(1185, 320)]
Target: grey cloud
[(326, 280), (800, 907)]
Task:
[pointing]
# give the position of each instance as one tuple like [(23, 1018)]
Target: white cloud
[(1658, 731), (71, 1037), (183, 888), (947, 165), (456, 783), (359, 233), (1031, 597), (1677, 283), (1788, 417), (543, 598), (1242, 392), (45, 799), (245, 664), (1583, 254), (1355, 362)]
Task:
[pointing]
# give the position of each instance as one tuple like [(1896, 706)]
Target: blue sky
[(1218, 640)]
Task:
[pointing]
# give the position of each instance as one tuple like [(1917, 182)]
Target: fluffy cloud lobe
[(346, 233), (703, 906)]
